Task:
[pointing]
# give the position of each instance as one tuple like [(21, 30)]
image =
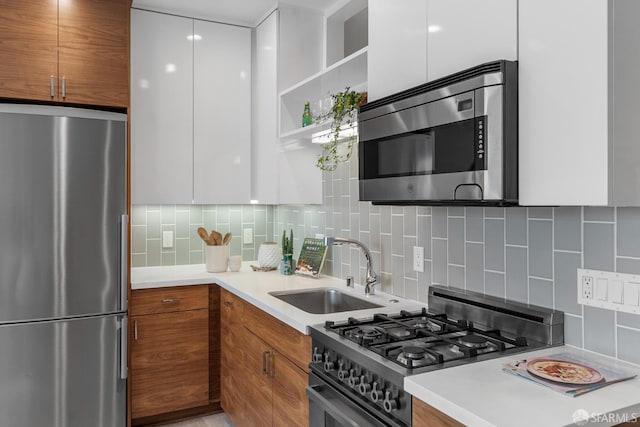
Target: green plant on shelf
[(342, 115)]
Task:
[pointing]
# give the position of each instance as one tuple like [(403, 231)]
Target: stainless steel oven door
[(330, 408)]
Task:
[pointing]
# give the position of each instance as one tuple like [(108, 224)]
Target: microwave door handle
[(336, 405)]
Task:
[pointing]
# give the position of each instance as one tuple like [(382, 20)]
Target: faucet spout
[(372, 277)]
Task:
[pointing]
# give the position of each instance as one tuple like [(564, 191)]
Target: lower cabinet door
[(169, 362), (257, 389), (290, 403)]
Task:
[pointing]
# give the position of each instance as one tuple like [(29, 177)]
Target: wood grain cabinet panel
[(263, 380), (94, 51), (164, 300), (232, 375), (425, 415), (83, 42), (173, 366), (28, 48)]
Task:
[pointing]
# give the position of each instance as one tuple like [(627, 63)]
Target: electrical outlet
[(167, 239), (247, 239), (418, 259), (587, 287)]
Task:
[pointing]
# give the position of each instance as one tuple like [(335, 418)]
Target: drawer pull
[(171, 301), (265, 369), (135, 330), (228, 304)]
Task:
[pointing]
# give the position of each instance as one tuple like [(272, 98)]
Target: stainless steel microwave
[(450, 141)]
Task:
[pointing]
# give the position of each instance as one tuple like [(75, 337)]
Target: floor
[(217, 420)]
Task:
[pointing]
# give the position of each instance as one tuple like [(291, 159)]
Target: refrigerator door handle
[(123, 348), (124, 256)]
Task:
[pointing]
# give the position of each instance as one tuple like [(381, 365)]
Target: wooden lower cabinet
[(264, 367), (424, 415), (169, 350)]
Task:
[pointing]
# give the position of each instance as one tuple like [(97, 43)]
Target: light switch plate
[(418, 259), (167, 239), (609, 290), (247, 239)]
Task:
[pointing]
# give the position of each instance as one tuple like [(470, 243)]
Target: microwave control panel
[(481, 143)]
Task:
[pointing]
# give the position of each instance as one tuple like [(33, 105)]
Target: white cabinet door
[(161, 109), (563, 102), (397, 46), (265, 145), (222, 113), (466, 33)]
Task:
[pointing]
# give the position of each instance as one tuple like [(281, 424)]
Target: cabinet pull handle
[(265, 369), (135, 330), (64, 87), (52, 82), (271, 369), (228, 304), (171, 301)]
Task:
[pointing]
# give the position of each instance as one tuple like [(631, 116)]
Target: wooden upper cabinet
[(86, 42), (94, 52), (28, 48)]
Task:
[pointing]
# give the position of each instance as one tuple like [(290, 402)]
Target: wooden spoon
[(226, 239), (215, 237), (204, 235)]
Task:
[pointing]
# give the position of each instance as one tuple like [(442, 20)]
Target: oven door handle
[(337, 406)]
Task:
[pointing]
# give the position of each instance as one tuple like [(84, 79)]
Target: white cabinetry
[(161, 108), (397, 46), (466, 33), (190, 110), (222, 114), (578, 91), (415, 41), (265, 145)]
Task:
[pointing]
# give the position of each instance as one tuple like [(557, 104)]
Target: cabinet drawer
[(167, 300), (282, 337)]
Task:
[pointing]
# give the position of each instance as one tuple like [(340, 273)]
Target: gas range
[(365, 360)]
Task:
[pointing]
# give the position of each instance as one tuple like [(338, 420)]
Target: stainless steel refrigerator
[(63, 267)]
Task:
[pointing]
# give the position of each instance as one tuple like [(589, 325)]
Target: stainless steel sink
[(323, 300)]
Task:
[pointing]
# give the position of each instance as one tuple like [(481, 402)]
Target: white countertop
[(480, 394), (254, 287)]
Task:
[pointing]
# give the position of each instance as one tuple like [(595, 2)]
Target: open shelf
[(348, 72)]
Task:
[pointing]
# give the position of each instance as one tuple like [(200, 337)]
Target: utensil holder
[(217, 258)]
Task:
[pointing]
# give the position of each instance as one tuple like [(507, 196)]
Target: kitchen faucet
[(372, 278)]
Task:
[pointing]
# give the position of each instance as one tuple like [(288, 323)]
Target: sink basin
[(322, 300)]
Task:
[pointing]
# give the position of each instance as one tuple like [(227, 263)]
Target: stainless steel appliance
[(450, 141), (358, 366), (63, 267)]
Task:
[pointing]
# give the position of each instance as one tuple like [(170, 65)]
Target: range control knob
[(376, 394), (342, 373), (317, 357), (353, 379), (389, 403), (364, 388), (328, 364)]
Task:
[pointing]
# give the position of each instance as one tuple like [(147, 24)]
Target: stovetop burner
[(473, 341), (413, 352)]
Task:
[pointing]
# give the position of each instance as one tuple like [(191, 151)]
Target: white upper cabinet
[(578, 92), (161, 108), (190, 110), (466, 33), (265, 145), (397, 57), (222, 113)]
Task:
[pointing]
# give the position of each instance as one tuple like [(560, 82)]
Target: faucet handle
[(350, 282)]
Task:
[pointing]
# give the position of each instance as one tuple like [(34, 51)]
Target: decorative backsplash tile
[(149, 221), (525, 254)]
